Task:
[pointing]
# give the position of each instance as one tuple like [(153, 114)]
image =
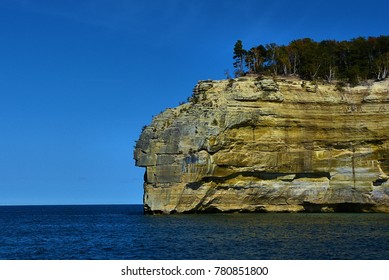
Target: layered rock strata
[(258, 144)]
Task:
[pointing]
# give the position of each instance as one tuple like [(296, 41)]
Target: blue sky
[(79, 79)]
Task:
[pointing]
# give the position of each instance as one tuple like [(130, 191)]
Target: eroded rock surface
[(254, 144)]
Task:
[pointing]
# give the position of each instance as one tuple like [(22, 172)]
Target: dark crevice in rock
[(147, 210), (214, 210), (232, 187), (379, 182), (313, 175), (194, 186), (377, 142), (207, 210), (260, 175), (348, 145), (347, 207), (247, 123)]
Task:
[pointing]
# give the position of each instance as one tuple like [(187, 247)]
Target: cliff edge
[(258, 144)]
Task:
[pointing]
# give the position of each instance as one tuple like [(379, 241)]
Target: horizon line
[(82, 204)]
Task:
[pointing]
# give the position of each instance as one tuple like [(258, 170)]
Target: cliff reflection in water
[(275, 236)]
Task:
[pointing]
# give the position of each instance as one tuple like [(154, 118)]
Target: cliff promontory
[(258, 144)]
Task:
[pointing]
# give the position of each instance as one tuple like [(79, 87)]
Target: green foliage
[(239, 57), (351, 61)]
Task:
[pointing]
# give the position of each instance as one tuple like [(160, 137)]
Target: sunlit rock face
[(258, 144)]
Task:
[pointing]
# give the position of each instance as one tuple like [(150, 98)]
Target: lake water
[(121, 232)]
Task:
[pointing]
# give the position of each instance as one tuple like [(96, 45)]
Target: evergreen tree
[(259, 56), (328, 56), (283, 60), (239, 57), (350, 61)]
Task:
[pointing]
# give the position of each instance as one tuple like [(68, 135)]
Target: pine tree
[(351, 61), (239, 57)]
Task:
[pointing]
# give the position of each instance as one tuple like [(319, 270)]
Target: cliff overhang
[(262, 144)]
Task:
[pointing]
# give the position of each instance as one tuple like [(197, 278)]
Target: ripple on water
[(122, 232)]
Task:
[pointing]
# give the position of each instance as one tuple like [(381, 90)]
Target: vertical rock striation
[(255, 144)]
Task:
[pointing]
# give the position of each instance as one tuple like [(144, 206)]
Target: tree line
[(351, 61)]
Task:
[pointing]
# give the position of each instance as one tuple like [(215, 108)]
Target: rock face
[(255, 144)]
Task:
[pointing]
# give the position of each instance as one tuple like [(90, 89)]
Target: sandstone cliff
[(256, 144)]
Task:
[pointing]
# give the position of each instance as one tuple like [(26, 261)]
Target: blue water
[(123, 232)]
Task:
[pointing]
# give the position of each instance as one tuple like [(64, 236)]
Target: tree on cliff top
[(352, 61), (239, 57)]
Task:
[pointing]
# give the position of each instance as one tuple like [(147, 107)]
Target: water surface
[(123, 232)]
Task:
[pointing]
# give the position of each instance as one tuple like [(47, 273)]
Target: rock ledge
[(261, 145)]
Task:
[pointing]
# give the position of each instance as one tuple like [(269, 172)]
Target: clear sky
[(79, 79)]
